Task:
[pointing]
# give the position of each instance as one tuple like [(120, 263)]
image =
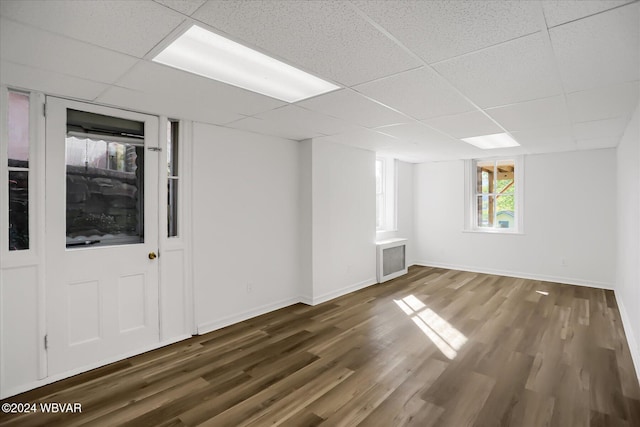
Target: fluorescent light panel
[(210, 55), (497, 140)]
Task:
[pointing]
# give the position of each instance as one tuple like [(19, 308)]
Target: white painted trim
[(631, 338), (520, 275), (207, 327), (306, 300), (35, 384), (343, 291)]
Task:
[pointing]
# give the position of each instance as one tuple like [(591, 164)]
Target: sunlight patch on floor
[(447, 338)]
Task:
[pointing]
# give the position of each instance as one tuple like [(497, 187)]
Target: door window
[(105, 180)]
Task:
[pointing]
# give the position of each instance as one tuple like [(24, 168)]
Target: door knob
[(152, 255)]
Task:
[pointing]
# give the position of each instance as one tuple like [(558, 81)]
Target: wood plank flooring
[(433, 348)]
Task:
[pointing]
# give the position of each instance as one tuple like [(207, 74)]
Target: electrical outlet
[(563, 262), (249, 288)]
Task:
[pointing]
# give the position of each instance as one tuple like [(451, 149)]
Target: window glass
[(18, 163), (172, 172), (495, 194), (18, 121), (105, 180), (18, 210)]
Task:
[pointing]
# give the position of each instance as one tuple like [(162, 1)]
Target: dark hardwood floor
[(433, 348)]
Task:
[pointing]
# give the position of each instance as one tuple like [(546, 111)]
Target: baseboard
[(343, 291), (520, 275), (245, 315), (631, 338), (48, 380)]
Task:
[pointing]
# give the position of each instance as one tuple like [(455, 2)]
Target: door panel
[(102, 224)]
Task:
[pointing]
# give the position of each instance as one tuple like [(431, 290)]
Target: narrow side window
[(173, 178), (18, 167)]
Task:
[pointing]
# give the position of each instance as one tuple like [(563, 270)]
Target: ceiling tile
[(41, 49), (364, 138), (474, 123), (155, 78), (540, 113), (133, 29), (541, 140), (557, 12), (515, 71), (438, 30), (603, 103), (24, 77), (293, 122), (186, 7), (351, 106), (596, 143), (419, 93), (599, 50), (158, 103), (610, 128), (325, 37), (430, 140)]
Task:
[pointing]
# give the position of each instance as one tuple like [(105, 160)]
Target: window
[(105, 180), (18, 166), (379, 194), (385, 194), (172, 175), (496, 195)]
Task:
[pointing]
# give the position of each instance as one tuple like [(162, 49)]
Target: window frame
[(30, 256), (471, 199)]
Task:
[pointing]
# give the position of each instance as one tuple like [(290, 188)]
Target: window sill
[(387, 231), (494, 231)]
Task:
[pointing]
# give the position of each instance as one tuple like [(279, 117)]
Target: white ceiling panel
[(596, 143), (41, 49), (327, 38), (610, 128), (603, 103), (540, 113), (24, 77), (473, 123), (515, 71), (158, 103), (438, 30), (132, 27), (154, 78), (419, 93), (557, 12), (186, 7), (293, 122), (365, 139), (351, 106), (552, 139), (599, 50), (430, 140), (294, 131)]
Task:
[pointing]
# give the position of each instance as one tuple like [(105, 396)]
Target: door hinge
[(46, 342), (44, 109)]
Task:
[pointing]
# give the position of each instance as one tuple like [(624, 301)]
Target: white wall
[(628, 209), (404, 209), (343, 220), (569, 213), (245, 224)]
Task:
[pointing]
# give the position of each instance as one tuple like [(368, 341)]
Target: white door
[(102, 234)]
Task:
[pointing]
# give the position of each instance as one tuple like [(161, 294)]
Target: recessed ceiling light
[(497, 140), (210, 55)]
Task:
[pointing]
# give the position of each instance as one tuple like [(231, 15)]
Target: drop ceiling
[(415, 76)]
